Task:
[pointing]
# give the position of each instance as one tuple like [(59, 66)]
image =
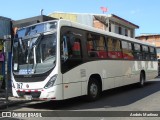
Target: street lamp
[(7, 49)]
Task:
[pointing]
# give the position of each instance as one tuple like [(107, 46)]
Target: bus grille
[(33, 94)]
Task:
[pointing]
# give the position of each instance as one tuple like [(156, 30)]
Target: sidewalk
[(11, 100)]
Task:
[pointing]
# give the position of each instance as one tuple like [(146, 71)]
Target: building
[(5, 29), (153, 39), (29, 21), (111, 23)]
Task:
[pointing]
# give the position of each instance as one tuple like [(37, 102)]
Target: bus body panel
[(127, 72), (74, 82), (151, 70)]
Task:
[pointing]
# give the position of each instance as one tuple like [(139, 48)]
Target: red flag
[(104, 9)]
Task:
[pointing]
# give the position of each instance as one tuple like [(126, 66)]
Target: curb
[(5, 105)]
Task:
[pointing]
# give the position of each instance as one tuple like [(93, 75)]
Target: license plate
[(28, 97), (19, 85)]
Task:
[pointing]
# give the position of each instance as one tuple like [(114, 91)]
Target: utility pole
[(41, 12), (7, 49)]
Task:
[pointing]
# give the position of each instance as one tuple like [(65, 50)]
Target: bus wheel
[(93, 90), (142, 80)]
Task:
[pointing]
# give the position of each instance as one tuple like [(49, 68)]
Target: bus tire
[(93, 90), (142, 80)]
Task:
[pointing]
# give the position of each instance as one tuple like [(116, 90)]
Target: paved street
[(2, 98), (128, 98)]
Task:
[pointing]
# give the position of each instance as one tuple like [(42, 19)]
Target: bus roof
[(63, 22), (92, 29)]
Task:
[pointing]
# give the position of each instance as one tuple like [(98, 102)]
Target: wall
[(99, 25), (86, 19), (117, 25), (5, 27), (154, 39)]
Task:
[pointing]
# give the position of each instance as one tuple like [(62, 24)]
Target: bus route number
[(19, 85)]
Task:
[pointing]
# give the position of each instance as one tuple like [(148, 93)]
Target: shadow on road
[(111, 98)]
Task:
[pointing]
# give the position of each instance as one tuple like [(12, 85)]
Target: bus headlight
[(50, 83)]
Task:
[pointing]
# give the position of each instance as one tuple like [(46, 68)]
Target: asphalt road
[(127, 98)]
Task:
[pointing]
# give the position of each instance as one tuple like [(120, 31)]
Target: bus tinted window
[(114, 48), (153, 53), (145, 48), (151, 50), (127, 50), (137, 47), (137, 51), (71, 48), (96, 46), (71, 43), (146, 55)]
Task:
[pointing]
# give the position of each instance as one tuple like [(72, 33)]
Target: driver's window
[(64, 49), (70, 46)]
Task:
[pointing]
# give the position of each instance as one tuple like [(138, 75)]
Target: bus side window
[(76, 48), (71, 46), (137, 52), (153, 53), (114, 48), (117, 48), (96, 46), (148, 55), (110, 48), (145, 51), (64, 50), (91, 46), (127, 50)]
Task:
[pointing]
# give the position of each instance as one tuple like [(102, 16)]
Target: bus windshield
[(35, 54)]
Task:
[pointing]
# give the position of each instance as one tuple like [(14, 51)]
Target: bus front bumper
[(54, 93)]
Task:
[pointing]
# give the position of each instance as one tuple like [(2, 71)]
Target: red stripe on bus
[(29, 90), (35, 90), (53, 98)]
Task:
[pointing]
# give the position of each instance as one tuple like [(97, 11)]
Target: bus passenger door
[(71, 59)]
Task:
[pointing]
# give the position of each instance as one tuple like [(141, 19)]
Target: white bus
[(60, 59)]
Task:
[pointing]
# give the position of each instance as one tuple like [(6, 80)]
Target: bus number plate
[(28, 97), (19, 85)]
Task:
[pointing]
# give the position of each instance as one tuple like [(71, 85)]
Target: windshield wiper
[(21, 45), (32, 48), (33, 45)]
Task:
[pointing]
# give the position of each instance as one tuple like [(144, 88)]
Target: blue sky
[(144, 13)]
